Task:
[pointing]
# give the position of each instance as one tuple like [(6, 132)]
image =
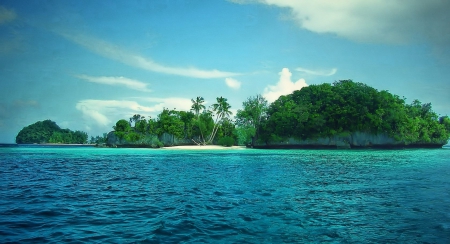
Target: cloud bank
[(372, 21), (117, 81), (106, 112), (233, 83), (114, 52), (284, 86)]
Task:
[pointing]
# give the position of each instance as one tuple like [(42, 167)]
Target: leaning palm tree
[(222, 110), (197, 106)]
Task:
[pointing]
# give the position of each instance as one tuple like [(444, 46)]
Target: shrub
[(226, 141), (156, 143)]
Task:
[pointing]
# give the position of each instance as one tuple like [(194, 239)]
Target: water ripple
[(85, 195)]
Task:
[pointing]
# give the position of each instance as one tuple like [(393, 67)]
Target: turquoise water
[(92, 195)]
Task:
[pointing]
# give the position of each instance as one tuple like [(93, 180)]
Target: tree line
[(48, 131), (316, 111), (200, 125), (326, 110)]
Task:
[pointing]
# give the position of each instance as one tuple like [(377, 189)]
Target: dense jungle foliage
[(200, 125), (48, 131), (326, 110), (316, 111)]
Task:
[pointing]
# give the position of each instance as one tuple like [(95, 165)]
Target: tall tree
[(197, 107), (221, 110), (250, 117), (135, 118)]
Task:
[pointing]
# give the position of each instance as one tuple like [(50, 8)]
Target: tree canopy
[(345, 107), (48, 131), (200, 125), (316, 111)]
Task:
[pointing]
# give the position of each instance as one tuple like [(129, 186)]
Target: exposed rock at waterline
[(351, 140), (149, 141)]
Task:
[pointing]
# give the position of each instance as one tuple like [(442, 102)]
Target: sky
[(86, 64)]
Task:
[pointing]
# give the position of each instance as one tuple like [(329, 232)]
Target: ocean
[(102, 195)]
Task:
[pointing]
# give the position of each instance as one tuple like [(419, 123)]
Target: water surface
[(85, 195)]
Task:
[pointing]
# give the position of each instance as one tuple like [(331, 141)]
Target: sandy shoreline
[(207, 147)]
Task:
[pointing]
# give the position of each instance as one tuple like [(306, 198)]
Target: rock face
[(166, 139), (352, 140), (170, 140)]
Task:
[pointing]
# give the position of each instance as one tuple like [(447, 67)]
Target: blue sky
[(86, 64)]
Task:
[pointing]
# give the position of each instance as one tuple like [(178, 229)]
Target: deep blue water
[(93, 195)]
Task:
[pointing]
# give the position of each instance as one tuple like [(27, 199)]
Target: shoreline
[(206, 147)]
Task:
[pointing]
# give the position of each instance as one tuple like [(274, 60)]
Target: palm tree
[(222, 110), (197, 106)]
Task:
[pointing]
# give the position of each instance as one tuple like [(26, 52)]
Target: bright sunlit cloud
[(114, 52), (317, 72), (284, 86), (117, 81), (102, 111), (233, 83), (373, 21), (106, 112), (175, 103)]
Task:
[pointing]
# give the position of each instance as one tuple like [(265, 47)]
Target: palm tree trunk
[(215, 128)]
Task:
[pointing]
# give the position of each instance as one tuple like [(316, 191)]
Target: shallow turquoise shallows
[(92, 195)]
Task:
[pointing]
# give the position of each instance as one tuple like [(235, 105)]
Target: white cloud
[(317, 72), (100, 109), (233, 83), (6, 15), (111, 51), (106, 112), (120, 80), (176, 103), (284, 86), (373, 21)]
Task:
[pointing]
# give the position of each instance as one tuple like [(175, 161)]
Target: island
[(348, 114), (47, 131), (344, 114)]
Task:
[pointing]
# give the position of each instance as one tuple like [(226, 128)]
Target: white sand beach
[(207, 147)]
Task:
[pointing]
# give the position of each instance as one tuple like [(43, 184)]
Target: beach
[(203, 147)]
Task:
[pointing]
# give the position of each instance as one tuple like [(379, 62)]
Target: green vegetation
[(200, 125), (226, 141), (316, 111), (99, 139), (326, 110), (48, 131), (249, 119)]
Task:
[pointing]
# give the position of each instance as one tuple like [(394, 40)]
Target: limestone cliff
[(149, 141), (351, 140)]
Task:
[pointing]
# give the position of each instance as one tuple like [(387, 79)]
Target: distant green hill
[(48, 131), (346, 108)]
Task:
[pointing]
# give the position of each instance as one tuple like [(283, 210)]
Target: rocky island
[(47, 131), (347, 114), (344, 114)]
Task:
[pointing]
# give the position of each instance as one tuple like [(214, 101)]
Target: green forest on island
[(48, 131), (316, 111)]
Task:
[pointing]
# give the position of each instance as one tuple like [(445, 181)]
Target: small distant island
[(344, 114), (47, 131)]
